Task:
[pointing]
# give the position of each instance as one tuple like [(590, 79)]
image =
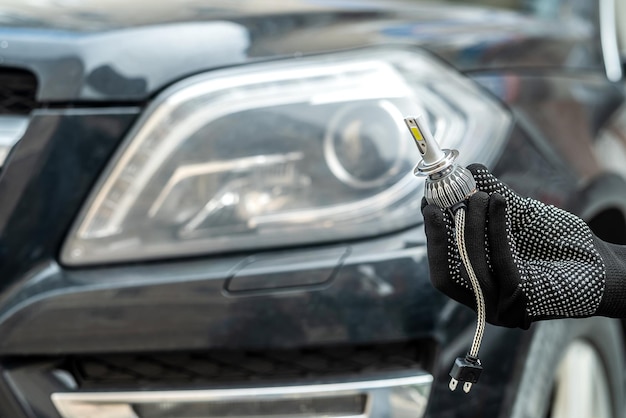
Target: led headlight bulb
[(448, 186)]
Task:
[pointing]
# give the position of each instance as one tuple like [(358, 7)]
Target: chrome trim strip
[(608, 40), (228, 394), (12, 129), (119, 404)]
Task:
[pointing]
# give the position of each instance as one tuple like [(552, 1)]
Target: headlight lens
[(276, 154)]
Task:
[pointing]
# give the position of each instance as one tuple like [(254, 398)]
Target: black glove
[(533, 261)]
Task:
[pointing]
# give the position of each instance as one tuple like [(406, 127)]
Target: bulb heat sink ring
[(451, 188)]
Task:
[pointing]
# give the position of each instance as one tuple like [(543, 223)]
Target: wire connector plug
[(467, 370)]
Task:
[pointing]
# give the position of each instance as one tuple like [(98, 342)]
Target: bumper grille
[(402, 395), (18, 91), (231, 366)]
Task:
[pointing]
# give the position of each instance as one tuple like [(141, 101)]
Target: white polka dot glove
[(533, 261)]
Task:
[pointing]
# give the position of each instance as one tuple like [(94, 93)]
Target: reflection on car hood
[(98, 15), (120, 50)]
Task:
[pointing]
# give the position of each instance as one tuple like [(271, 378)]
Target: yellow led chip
[(416, 133)]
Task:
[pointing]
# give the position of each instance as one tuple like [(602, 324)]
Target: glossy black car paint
[(48, 311)]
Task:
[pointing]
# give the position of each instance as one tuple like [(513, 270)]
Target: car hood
[(126, 51)]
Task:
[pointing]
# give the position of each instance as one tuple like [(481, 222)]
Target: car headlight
[(290, 152)]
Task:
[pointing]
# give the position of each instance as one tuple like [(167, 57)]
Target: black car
[(207, 208)]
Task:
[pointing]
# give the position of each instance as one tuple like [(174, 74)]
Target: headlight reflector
[(283, 153)]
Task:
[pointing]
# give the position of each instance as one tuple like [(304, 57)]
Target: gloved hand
[(533, 261)]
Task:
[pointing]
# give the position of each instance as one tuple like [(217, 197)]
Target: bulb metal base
[(423, 169)]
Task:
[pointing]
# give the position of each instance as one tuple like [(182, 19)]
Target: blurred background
[(208, 207)]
